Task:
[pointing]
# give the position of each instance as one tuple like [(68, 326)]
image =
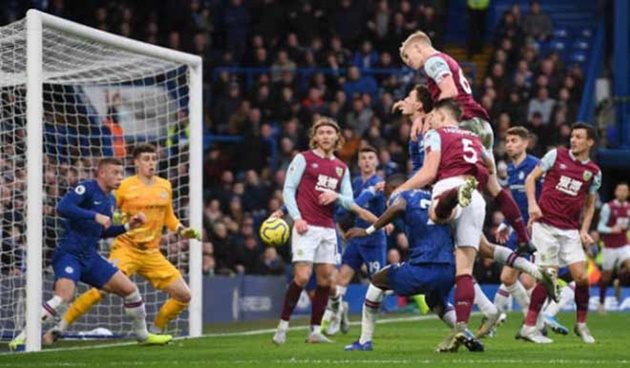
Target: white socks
[(134, 308), (372, 303), (506, 257), (50, 309), (566, 295), (520, 295), (502, 298), (485, 305)]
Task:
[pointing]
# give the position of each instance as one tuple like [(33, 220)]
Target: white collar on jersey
[(331, 157), (584, 162)]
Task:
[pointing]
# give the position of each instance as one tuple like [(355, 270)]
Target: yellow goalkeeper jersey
[(155, 201)]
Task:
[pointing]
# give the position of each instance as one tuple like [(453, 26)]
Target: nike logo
[(96, 203)]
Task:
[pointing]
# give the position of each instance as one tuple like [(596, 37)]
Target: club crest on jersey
[(314, 165), (163, 195), (339, 171), (69, 269), (587, 175), (521, 175)]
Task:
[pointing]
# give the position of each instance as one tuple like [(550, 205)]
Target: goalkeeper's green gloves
[(189, 233)]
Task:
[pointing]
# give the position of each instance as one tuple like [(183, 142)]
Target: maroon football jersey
[(435, 69), (461, 154), (619, 216), (320, 174), (564, 189)]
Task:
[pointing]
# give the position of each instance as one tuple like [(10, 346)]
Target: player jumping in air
[(430, 269)]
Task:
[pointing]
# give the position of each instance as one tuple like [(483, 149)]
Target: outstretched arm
[(394, 210)]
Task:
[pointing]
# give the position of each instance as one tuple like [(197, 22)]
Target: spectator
[(537, 24), (541, 104), (365, 58), (282, 63), (357, 84), (272, 263), (236, 20)]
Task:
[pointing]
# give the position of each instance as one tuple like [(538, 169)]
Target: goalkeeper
[(138, 250)]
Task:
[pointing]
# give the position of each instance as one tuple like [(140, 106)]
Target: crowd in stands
[(270, 110)]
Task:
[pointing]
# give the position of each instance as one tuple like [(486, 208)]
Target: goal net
[(100, 95)]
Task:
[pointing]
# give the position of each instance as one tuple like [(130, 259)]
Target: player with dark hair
[(430, 269), (569, 192)]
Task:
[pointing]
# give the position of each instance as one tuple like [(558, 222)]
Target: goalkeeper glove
[(190, 233), (119, 218)]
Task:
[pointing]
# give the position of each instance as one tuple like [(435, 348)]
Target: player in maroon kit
[(569, 190), (446, 80), (316, 179), (614, 219), (456, 159)]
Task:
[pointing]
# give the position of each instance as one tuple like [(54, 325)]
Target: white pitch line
[(225, 334)]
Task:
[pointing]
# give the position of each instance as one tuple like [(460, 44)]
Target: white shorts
[(556, 247), (317, 245), (614, 256), (468, 222)]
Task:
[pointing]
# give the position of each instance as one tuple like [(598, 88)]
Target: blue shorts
[(358, 252), (408, 279), (93, 270)]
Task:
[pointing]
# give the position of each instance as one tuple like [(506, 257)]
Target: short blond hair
[(417, 36), (325, 122)]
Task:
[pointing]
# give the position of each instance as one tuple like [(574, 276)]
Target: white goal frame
[(35, 21)]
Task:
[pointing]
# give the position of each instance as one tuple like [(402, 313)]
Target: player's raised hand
[(190, 233), (389, 229), (137, 220), (327, 197), (300, 226), (534, 212), (105, 221), (356, 232), (417, 127)]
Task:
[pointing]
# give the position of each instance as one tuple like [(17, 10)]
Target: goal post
[(70, 73)]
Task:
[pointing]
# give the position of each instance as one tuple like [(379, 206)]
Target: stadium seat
[(559, 45), (579, 57), (585, 32), (561, 32), (581, 44)]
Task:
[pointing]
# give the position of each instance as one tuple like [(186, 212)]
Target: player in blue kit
[(520, 166), (369, 251), (88, 211), (430, 270)]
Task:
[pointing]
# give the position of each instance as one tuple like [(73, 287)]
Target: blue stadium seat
[(561, 32), (559, 45), (579, 57), (585, 32), (581, 44)]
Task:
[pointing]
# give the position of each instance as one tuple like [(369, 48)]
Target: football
[(274, 232)]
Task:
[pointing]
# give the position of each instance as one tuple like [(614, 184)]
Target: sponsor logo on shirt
[(569, 185), (325, 182)]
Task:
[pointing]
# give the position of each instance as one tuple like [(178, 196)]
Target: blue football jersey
[(516, 183), (428, 243), (78, 208), (365, 197), (416, 153)]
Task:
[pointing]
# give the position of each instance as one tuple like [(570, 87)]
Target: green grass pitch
[(398, 341)]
